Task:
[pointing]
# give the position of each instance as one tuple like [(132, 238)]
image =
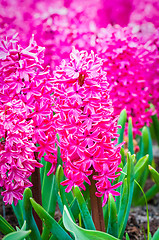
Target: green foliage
[(155, 175), (28, 216), (113, 226), (50, 222), (130, 136), (5, 227), (156, 235), (20, 234), (86, 217), (66, 198), (124, 209), (121, 122), (154, 189), (155, 127), (127, 237), (18, 212), (81, 233), (144, 158)]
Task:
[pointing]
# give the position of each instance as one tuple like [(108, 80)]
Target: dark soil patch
[(9, 215), (137, 222)]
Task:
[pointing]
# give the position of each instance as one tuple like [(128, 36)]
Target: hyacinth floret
[(85, 124)]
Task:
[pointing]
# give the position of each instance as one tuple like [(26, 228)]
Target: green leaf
[(127, 236), (146, 148), (48, 181), (139, 169), (121, 122), (122, 157), (65, 197), (59, 160), (106, 216), (49, 199), (23, 227), (49, 191), (120, 188), (74, 209), (149, 195), (156, 126), (20, 235), (149, 236), (156, 235), (130, 187), (130, 137), (145, 141), (28, 216), (60, 204), (150, 150), (146, 144), (86, 194), (5, 227), (42, 169), (18, 212), (83, 234), (86, 217), (113, 226), (50, 222), (154, 174), (140, 166), (123, 204)]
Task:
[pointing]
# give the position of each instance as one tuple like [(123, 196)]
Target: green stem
[(147, 213)]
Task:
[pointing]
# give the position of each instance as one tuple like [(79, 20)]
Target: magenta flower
[(145, 11), (85, 116), (106, 189), (26, 116), (17, 160), (126, 63), (114, 12), (148, 35), (85, 123)]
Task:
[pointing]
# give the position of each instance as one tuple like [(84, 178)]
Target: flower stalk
[(96, 206), (36, 190)]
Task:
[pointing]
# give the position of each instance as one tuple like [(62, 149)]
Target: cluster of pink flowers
[(151, 39), (128, 62), (85, 123), (89, 91), (17, 160), (125, 59), (25, 108), (60, 28), (145, 11)]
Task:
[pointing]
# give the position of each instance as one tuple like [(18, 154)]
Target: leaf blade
[(50, 222), (83, 234)]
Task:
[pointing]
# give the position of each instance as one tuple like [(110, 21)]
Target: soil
[(8, 215), (137, 222)]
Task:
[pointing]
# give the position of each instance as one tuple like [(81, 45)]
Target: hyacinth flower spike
[(88, 152)]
